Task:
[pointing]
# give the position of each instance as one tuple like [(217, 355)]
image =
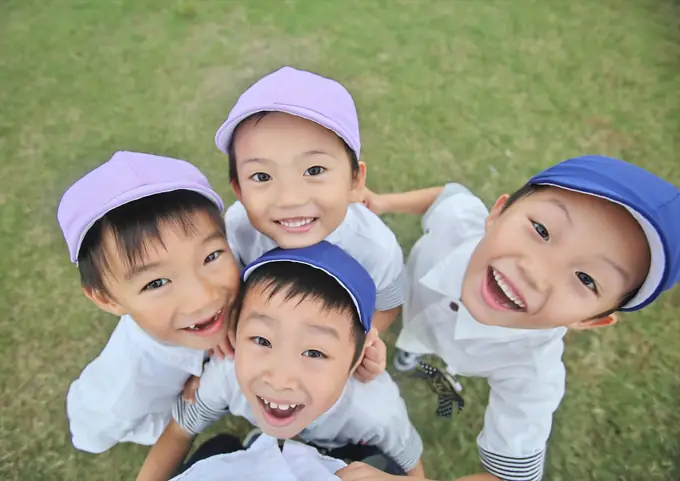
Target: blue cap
[(652, 201), (336, 263)]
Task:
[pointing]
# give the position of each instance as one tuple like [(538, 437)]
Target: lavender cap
[(126, 177), (296, 92)]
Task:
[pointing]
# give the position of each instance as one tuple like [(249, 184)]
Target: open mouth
[(279, 414), (502, 293), (209, 326), (297, 224)]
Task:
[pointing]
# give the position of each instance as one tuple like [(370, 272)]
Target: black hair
[(233, 174), (135, 223), (302, 282), (530, 189)]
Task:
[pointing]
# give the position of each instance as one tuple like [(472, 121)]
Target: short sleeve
[(390, 287), (212, 398), (456, 211), (518, 418)]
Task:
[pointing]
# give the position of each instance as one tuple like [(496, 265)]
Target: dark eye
[(155, 284), (316, 170), (261, 341), (211, 257), (313, 353), (261, 177), (587, 281), (541, 230)]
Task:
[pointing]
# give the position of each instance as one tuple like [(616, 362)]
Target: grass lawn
[(484, 92)]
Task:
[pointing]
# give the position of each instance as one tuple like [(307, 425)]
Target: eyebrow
[(564, 209), (624, 273), (139, 269), (310, 326), (325, 330), (308, 153), (142, 267)]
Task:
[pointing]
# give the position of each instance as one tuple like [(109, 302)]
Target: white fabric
[(361, 234), (523, 367), (265, 461), (373, 413), (127, 393)]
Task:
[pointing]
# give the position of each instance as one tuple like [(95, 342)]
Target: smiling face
[(182, 286), (554, 258), (295, 178), (294, 354)]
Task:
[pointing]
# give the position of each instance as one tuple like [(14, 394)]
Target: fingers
[(190, 388)]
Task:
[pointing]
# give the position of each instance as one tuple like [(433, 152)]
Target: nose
[(199, 294), (535, 272), (291, 194), (280, 374)]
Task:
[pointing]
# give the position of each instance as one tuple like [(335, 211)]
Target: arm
[(412, 202), (382, 320), (518, 418), (166, 455)]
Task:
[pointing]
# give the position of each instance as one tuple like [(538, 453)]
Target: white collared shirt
[(362, 234), (265, 461), (373, 413), (523, 367), (127, 393)]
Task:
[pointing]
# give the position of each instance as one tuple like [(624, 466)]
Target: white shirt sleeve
[(455, 212), (123, 395), (212, 398), (518, 418), (240, 233)]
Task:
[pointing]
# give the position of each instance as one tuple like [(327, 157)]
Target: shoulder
[(122, 362), (366, 237), (456, 210), (377, 402)]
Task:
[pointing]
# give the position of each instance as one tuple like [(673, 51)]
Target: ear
[(237, 190), (359, 184), (496, 210), (359, 359), (604, 321), (103, 301)]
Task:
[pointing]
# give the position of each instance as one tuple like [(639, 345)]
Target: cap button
[(453, 306)]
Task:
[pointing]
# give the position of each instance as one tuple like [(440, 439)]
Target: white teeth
[(193, 326), (506, 289), (296, 223), (282, 407)]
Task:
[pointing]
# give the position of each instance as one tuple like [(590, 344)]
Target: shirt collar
[(446, 278), (180, 357)]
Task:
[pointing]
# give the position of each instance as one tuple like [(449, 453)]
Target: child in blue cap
[(301, 319), (493, 293)]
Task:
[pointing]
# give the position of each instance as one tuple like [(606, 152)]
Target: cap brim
[(224, 133), (256, 265), (139, 193)]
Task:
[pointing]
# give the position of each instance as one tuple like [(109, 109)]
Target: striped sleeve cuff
[(195, 418), (411, 452), (513, 469), (391, 296)]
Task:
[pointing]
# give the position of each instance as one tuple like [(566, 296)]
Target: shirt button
[(453, 306)]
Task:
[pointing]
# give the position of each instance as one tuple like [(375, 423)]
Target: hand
[(374, 202), (190, 388), (375, 357), (363, 472)]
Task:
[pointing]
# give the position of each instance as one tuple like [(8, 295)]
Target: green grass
[(483, 92)]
